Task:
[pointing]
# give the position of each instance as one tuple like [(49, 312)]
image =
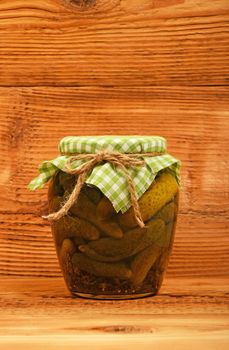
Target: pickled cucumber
[(132, 242), (105, 209), (110, 228), (78, 241), (85, 209), (143, 262), (160, 192), (91, 253), (119, 270), (163, 240), (81, 228), (67, 248), (167, 212), (93, 193), (65, 258), (67, 226)]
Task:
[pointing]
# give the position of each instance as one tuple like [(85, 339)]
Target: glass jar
[(113, 203), (104, 254)]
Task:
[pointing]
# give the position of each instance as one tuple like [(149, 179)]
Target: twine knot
[(123, 161)]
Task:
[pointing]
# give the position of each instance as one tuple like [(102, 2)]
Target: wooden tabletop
[(39, 313)]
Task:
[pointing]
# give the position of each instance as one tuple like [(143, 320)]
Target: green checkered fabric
[(109, 179)]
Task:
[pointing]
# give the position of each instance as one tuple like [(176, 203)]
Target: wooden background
[(115, 67)]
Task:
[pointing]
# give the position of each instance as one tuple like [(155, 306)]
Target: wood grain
[(107, 43), (194, 121), (115, 67), (39, 313)]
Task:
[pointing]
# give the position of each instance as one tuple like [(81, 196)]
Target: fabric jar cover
[(108, 178)]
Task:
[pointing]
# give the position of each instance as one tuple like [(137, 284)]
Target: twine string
[(123, 161)]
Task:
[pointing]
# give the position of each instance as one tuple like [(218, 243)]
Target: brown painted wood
[(188, 313), (112, 42), (195, 123)]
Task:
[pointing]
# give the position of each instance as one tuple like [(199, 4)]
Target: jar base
[(112, 296)]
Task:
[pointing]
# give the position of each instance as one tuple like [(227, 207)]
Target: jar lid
[(107, 177), (123, 144)]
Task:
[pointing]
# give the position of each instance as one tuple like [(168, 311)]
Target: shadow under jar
[(106, 255)]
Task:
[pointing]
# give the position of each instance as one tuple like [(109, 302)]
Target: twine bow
[(123, 161)]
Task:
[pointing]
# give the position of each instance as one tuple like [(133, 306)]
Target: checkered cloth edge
[(109, 179)]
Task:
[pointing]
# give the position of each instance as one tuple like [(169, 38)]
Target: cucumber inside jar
[(101, 251)]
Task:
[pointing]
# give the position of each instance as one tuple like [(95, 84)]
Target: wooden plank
[(135, 43), (49, 295), (195, 123), (186, 313)]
